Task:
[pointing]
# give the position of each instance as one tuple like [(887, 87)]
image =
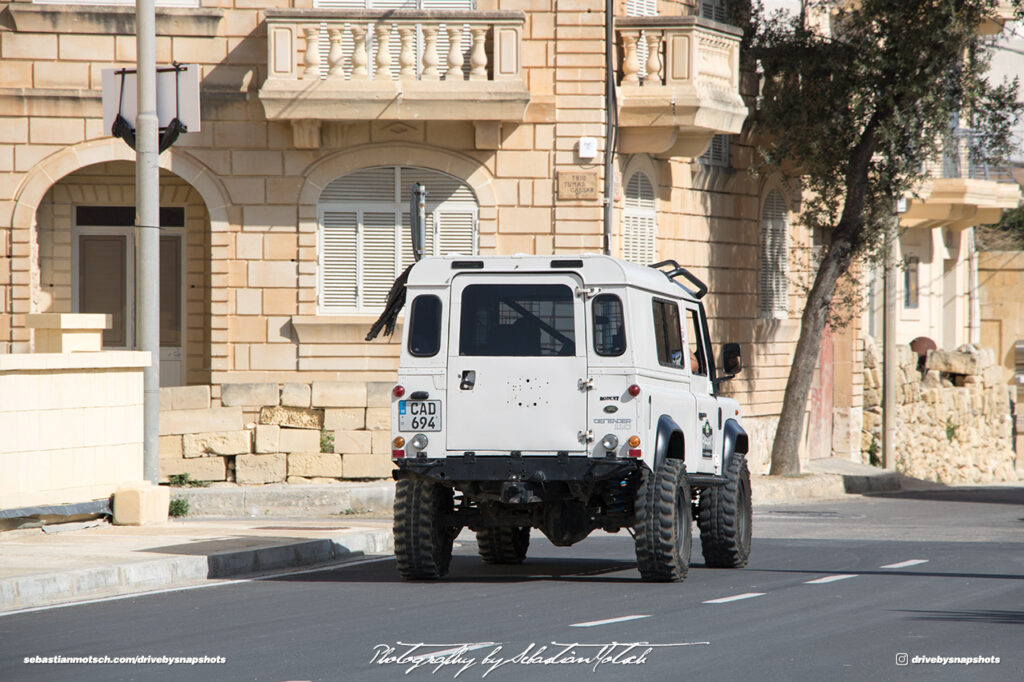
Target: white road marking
[(829, 579), (198, 586), (747, 595), (593, 623), (905, 564)]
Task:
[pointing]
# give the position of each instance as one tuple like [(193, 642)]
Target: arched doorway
[(86, 262)]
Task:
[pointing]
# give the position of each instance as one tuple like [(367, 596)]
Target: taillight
[(634, 441), (634, 453), (633, 390), (398, 391)]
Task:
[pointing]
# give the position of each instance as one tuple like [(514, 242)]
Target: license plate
[(419, 415)]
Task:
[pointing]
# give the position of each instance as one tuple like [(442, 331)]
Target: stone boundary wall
[(70, 426), (953, 425), (273, 433)]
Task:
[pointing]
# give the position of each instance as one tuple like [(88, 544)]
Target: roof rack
[(678, 270)]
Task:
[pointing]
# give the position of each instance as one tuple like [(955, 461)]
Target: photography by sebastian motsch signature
[(490, 656)]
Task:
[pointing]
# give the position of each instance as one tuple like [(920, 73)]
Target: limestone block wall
[(71, 426), (953, 426), (1001, 290), (267, 432)]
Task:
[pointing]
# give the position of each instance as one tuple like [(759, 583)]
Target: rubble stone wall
[(953, 424), (273, 433)]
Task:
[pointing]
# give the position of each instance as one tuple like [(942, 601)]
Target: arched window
[(774, 256), (364, 237), (639, 221)]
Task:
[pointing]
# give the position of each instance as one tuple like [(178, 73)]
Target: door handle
[(468, 379)]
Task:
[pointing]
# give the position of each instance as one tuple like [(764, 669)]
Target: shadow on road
[(469, 569), (995, 617), (976, 495)]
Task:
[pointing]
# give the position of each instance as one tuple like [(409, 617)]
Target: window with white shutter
[(718, 153), (774, 256), (639, 221), (364, 237)]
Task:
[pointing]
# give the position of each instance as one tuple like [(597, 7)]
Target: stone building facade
[(283, 215)]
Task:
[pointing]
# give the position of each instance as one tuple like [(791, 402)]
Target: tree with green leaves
[(857, 109)]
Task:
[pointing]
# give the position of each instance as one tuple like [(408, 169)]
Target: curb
[(287, 500), (160, 574), (809, 487)]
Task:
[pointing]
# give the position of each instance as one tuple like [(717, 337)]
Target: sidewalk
[(269, 528)]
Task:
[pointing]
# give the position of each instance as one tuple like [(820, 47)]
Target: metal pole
[(610, 114), (889, 360), (147, 239)]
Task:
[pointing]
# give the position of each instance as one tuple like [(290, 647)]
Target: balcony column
[(359, 56), (654, 63), (430, 53), (383, 33), (311, 58), (407, 56), (455, 60), (335, 68), (630, 62), (478, 57)]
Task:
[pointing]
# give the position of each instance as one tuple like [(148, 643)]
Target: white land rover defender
[(566, 394)]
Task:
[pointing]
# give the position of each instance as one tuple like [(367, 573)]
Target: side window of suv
[(609, 326), (667, 333), (698, 358)]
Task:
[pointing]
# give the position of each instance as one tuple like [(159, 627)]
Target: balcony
[(679, 84), (962, 190), (1001, 15), (361, 65)]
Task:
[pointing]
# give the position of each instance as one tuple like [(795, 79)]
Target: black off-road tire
[(423, 544), (725, 518), (663, 523), (503, 544)]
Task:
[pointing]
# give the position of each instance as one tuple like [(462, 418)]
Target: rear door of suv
[(517, 365)]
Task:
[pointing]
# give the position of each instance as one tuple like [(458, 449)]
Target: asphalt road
[(834, 591)]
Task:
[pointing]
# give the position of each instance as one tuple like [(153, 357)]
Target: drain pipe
[(611, 123)]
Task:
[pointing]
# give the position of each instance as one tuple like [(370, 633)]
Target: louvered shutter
[(338, 266), (718, 153), (373, 206), (774, 256), (639, 221), (714, 10), (456, 232), (378, 258)]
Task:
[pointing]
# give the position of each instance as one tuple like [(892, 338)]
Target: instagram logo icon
[(902, 659)]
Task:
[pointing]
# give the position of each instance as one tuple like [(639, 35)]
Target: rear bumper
[(508, 468)]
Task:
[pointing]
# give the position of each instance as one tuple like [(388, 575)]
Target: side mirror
[(732, 360)]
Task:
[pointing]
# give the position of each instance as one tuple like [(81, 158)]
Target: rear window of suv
[(425, 326), (526, 320)]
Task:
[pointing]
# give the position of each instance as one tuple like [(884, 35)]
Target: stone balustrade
[(346, 65), (363, 45), (678, 50), (679, 83)]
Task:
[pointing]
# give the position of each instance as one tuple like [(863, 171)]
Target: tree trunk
[(846, 239), (786, 449)]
